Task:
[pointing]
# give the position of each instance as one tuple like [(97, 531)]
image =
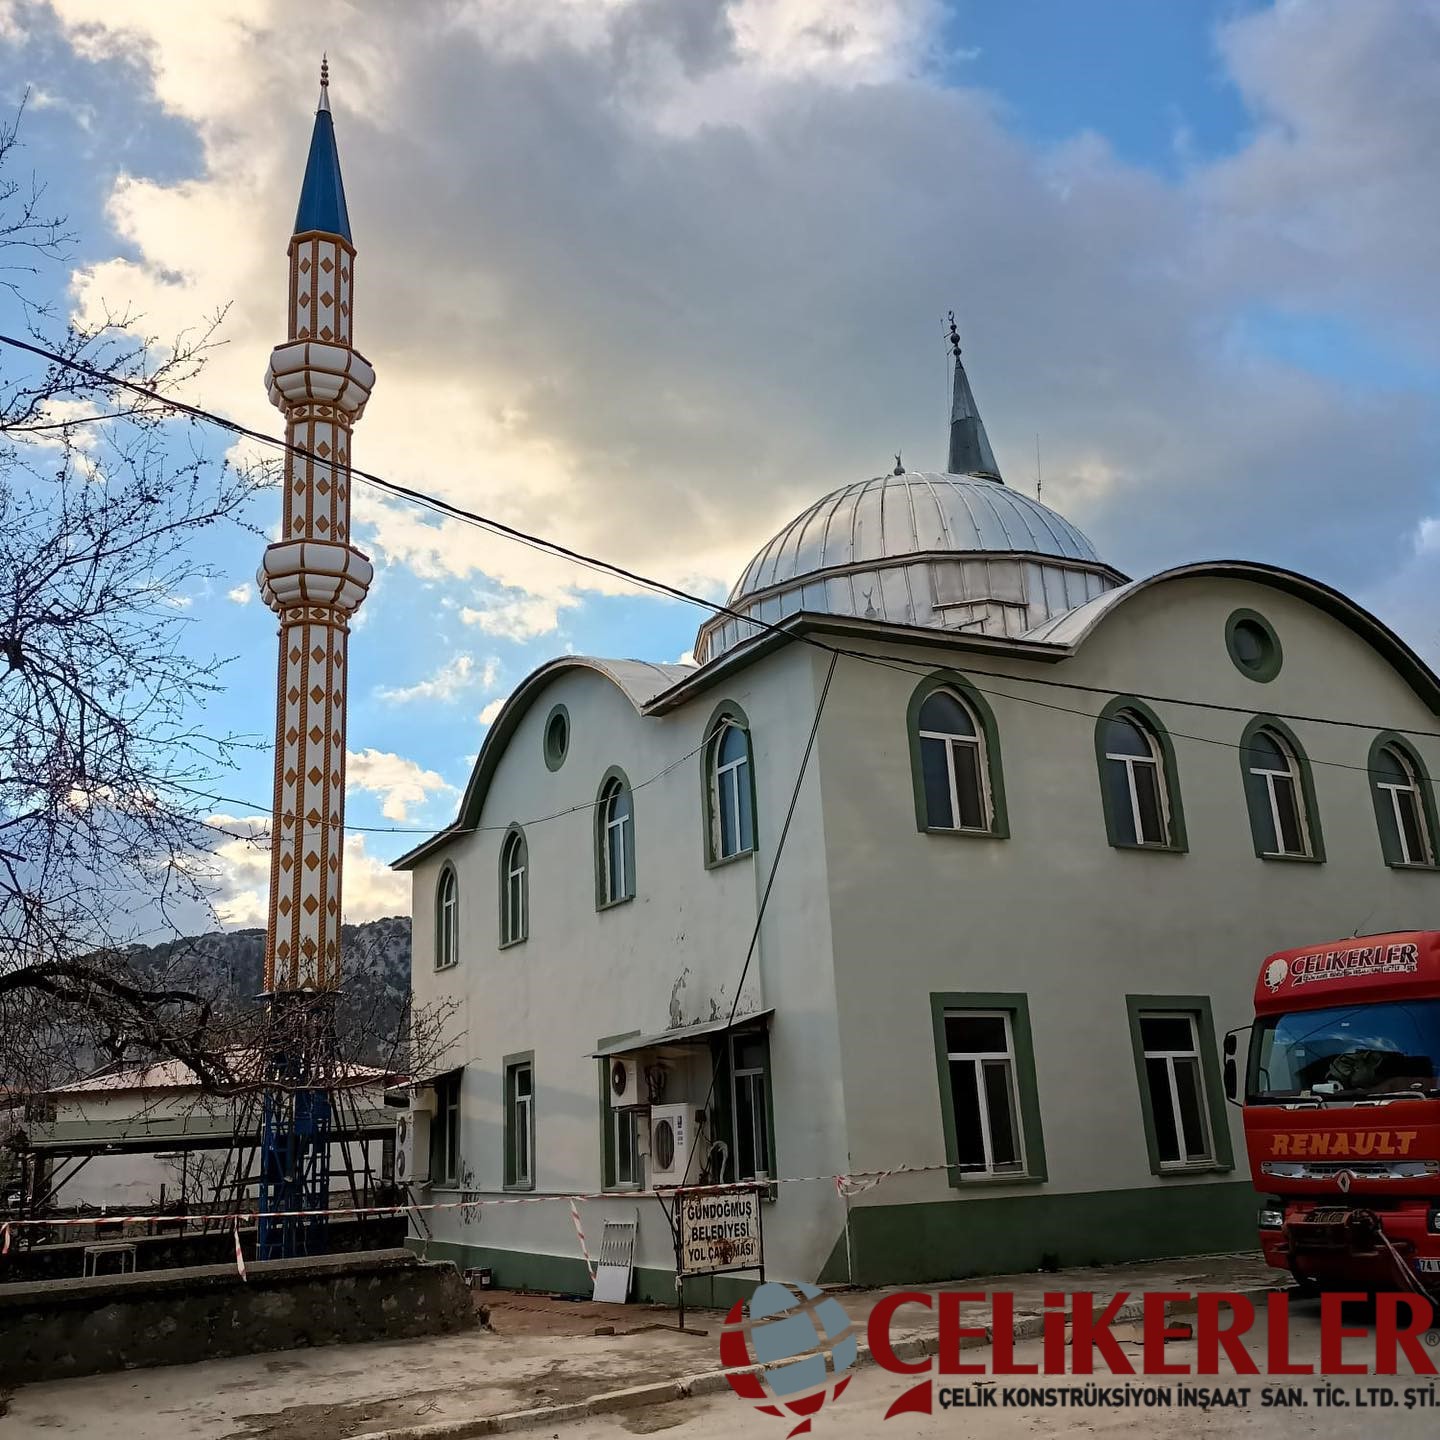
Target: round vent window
[(1253, 645), (662, 1143), (557, 737)]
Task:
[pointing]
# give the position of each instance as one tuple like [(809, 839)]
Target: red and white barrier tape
[(584, 1249), (239, 1254), (5, 1238), (852, 1183)]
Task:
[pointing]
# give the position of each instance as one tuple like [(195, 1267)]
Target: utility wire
[(555, 548), (769, 886), (268, 811)]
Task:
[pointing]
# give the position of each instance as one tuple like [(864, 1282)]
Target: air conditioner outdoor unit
[(673, 1135), (412, 1147), (626, 1086), (422, 1100)]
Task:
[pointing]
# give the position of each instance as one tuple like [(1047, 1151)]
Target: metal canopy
[(682, 1035)]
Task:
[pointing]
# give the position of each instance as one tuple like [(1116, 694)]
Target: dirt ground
[(537, 1351)]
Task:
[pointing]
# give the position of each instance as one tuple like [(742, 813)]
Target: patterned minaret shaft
[(314, 579)]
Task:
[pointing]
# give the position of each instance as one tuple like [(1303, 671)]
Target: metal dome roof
[(917, 512)]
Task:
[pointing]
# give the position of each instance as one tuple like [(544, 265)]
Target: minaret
[(313, 577), (970, 452)]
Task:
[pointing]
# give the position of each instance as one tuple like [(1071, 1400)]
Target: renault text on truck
[(1342, 1111)]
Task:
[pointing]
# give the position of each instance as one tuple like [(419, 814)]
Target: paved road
[(1376, 1406)]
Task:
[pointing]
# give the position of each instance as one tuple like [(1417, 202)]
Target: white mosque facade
[(1022, 896)]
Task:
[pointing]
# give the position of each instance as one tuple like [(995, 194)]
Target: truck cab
[(1341, 1100)]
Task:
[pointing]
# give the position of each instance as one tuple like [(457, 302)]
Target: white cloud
[(403, 783), (521, 619), (719, 297), (242, 594), (452, 679), (488, 714), (241, 868)]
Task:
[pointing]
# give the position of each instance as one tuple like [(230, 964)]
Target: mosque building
[(978, 962)]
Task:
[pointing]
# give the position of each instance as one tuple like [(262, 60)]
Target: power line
[(555, 548), (268, 811), (769, 886)]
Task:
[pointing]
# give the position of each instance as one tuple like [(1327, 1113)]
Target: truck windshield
[(1348, 1052)]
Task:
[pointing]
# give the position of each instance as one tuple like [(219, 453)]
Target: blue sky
[(649, 277)]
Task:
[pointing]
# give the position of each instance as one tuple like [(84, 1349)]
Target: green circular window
[(1253, 645), (557, 737)]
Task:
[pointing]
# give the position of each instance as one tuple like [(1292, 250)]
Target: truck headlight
[(1273, 1219)]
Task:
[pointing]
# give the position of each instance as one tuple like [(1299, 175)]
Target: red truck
[(1342, 1111)]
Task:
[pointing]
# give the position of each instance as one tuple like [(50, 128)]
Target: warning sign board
[(719, 1232)]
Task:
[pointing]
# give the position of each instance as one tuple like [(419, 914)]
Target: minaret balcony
[(313, 572), (307, 372)]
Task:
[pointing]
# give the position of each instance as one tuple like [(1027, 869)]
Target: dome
[(915, 513), (956, 551)]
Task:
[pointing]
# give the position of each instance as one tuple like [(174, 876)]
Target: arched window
[(730, 789), (1138, 785), (1403, 807), (514, 888), (954, 764), (1278, 791), (615, 843), (447, 920)]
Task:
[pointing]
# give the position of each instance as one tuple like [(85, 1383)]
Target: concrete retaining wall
[(54, 1329)]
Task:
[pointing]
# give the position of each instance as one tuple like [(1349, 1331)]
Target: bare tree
[(107, 764), (103, 495)]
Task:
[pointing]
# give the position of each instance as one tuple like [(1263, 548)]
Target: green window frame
[(514, 877), (734, 1107), (1394, 844), (1263, 667), (447, 918), (445, 1130), (555, 737), (1196, 1008), (991, 765), (1120, 823), (520, 1128), (614, 841), (610, 1159), (1015, 1008), (1259, 803), (741, 790)]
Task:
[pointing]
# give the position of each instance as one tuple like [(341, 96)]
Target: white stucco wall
[(1056, 912), (671, 956), (870, 916)]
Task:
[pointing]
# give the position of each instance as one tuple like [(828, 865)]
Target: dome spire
[(970, 452), (322, 192)]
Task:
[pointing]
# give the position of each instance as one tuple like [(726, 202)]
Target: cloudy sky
[(649, 276)]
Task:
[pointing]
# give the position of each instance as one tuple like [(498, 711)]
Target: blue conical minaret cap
[(322, 194), (970, 452)]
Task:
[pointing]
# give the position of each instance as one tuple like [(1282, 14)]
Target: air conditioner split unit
[(626, 1086), (674, 1134), (412, 1147)]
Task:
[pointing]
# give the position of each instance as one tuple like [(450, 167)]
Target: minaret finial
[(899, 464), (324, 82), (954, 336)]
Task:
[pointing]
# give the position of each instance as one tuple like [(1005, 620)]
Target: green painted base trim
[(530, 1270), (901, 1244)]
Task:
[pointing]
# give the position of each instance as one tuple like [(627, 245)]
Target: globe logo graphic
[(801, 1344)]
